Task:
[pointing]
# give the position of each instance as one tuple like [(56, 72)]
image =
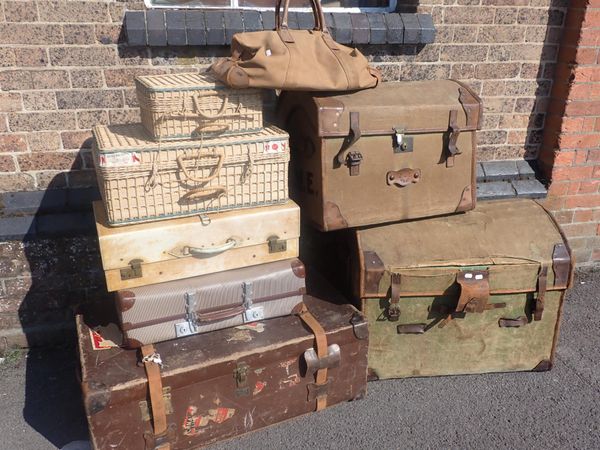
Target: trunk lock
[(276, 245), (402, 143), (240, 375), (353, 161), (133, 271)]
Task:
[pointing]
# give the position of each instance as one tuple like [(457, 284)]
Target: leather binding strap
[(453, 133), (322, 352), (541, 293), (354, 135), (393, 311), (159, 413)]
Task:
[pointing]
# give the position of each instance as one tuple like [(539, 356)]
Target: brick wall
[(570, 155), (62, 69)]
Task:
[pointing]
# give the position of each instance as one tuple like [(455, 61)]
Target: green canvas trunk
[(468, 293)]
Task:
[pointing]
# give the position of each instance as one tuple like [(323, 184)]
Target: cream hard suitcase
[(190, 105), (141, 180), (150, 253)]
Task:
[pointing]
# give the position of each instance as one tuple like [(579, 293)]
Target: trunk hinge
[(393, 309), (251, 313)]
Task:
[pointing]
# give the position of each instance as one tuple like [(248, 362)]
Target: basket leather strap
[(321, 347), (541, 293), (155, 388)]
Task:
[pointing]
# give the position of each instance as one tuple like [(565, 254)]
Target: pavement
[(40, 402)]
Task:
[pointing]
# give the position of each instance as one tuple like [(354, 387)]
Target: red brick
[(581, 157), (580, 229), (49, 161), (569, 124), (593, 156), (7, 163), (596, 255), (557, 189), (76, 139), (577, 141), (588, 187), (582, 215), (572, 173), (12, 143), (563, 217), (573, 188), (564, 158), (583, 201), (583, 108)]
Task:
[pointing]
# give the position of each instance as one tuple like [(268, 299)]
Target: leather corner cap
[(125, 300), (333, 217), (543, 366), (96, 397), (298, 268), (467, 200), (237, 78)]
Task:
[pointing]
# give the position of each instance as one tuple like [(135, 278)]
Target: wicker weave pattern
[(143, 181), (184, 106)]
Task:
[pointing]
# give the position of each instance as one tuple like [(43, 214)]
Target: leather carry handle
[(203, 194), (220, 158), (282, 22), (216, 316), (411, 328), (520, 321), (403, 177), (210, 251)]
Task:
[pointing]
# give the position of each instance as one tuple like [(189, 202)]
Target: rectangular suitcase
[(399, 151), (469, 293), (156, 252), (163, 311), (224, 383), (190, 105), (141, 180)]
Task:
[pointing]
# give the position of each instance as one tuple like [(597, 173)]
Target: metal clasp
[(133, 271), (252, 313), (276, 245), (353, 161), (331, 360), (402, 143), (240, 375), (190, 326)]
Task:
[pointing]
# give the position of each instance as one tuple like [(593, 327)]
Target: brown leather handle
[(215, 316), (520, 321), (281, 22), (203, 194), (411, 328), (403, 177)]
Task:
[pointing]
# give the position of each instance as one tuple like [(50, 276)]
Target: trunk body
[(157, 252), (164, 311), (206, 398), (470, 293), (401, 151), (142, 180), (192, 105)]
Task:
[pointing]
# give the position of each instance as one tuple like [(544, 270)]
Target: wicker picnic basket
[(190, 105), (142, 181)]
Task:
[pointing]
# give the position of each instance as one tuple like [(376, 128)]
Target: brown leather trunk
[(399, 151), (224, 383)]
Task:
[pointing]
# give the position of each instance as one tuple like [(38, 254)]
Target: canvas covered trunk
[(148, 253), (400, 151), (141, 180), (224, 383), (175, 309), (191, 105), (469, 293)]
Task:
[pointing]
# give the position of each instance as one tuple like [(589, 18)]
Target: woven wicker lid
[(134, 136), (179, 82)]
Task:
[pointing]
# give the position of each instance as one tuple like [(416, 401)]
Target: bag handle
[(281, 22), (216, 316), (218, 114), (220, 157), (203, 194)]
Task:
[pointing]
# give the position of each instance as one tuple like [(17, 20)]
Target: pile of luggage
[(223, 330)]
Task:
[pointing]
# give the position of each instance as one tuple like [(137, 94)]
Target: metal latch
[(240, 375), (353, 161), (133, 271), (145, 410), (252, 313), (190, 326), (402, 143), (276, 245), (331, 360)]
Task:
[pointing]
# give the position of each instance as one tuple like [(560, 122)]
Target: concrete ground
[(40, 406)]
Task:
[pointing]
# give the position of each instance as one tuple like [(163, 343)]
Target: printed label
[(275, 147), (121, 159), (99, 343), (194, 423)]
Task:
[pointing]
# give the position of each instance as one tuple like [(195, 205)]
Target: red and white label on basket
[(121, 159), (275, 147)]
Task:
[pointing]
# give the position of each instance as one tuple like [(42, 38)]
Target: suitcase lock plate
[(133, 271), (240, 375), (353, 161), (276, 245), (190, 326), (402, 143), (252, 313)]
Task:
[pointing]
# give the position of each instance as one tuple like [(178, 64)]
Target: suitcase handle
[(403, 177), (520, 321), (218, 114), (202, 194), (220, 315), (219, 155), (210, 251)]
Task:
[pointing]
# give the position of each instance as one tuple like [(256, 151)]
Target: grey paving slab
[(529, 188), (526, 171), (427, 28), (135, 27), (252, 20), (412, 29), (215, 31), (155, 28), (395, 28), (233, 24), (343, 28), (558, 409), (17, 227), (361, 33), (479, 173), (495, 190), (378, 28), (268, 20), (175, 21), (500, 170)]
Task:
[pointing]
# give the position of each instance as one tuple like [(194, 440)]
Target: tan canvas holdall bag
[(305, 60)]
